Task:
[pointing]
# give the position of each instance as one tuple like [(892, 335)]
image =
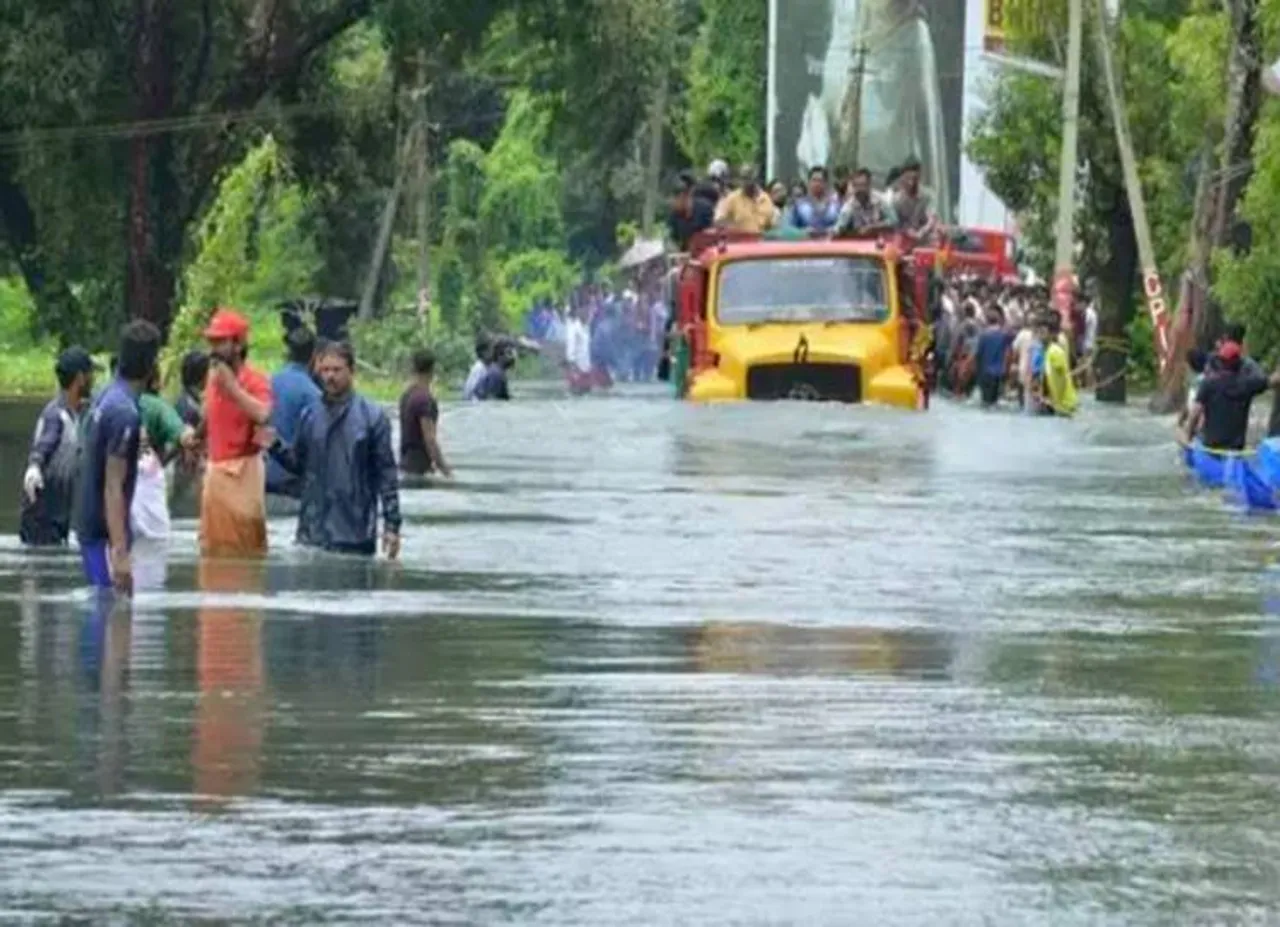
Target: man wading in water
[(48, 487), (110, 475), (1220, 413), (237, 406), (420, 452), (344, 458)]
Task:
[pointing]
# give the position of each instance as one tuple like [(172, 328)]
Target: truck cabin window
[(793, 290)]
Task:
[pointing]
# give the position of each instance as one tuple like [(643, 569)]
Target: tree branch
[(203, 56), (256, 79)]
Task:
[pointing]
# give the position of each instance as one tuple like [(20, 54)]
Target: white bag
[(149, 514)]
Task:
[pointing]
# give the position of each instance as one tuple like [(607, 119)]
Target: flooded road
[(648, 663)]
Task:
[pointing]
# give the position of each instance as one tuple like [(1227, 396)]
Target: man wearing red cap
[(1220, 413), (237, 402)]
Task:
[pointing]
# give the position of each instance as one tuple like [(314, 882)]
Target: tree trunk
[(1193, 289), (154, 241), (1244, 97), (57, 310), (1115, 310)]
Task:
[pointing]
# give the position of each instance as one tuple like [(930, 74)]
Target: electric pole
[(1152, 286), (385, 228), (653, 178), (1064, 252), (423, 194)]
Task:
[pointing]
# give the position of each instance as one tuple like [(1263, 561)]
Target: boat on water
[(1250, 479)]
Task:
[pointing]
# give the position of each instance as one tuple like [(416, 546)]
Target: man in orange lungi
[(237, 403)]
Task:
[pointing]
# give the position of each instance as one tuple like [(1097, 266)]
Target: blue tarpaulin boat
[(1251, 481)]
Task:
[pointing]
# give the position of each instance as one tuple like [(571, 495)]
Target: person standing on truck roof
[(716, 186), (864, 213), (748, 208), (914, 211), (819, 209), (690, 214), (780, 195)]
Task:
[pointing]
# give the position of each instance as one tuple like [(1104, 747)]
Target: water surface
[(650, 663)]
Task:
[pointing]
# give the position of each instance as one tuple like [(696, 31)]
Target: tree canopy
[(128, 129)]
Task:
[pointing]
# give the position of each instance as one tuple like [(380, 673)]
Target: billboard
[(869, 83), (993, 25)]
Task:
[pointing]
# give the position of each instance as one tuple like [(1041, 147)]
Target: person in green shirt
[(1060, 396), (163, 434)]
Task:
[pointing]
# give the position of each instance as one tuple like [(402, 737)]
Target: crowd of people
[(604, 334), (99, 460), (1004, 339), (849, 204)]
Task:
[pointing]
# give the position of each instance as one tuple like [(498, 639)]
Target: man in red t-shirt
[(237, 407)]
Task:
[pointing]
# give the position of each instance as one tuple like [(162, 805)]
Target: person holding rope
[(1220, 413)]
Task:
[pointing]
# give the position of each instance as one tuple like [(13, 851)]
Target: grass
[(28, 372)]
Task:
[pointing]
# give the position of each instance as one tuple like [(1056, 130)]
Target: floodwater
[(648, 663)]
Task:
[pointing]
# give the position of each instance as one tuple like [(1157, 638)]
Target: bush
[(385, 346), (255, 250)]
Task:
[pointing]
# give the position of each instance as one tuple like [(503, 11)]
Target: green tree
[(1017, 141), (254, 250), (520, 208), (723, 111)]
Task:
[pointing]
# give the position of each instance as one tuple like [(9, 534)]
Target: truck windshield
[(810, 289)]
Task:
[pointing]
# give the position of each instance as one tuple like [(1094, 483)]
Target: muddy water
[(653, 664)]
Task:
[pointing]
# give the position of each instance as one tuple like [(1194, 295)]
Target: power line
[(36, 136)]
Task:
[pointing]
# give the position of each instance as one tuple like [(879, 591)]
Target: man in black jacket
[(343, 454)]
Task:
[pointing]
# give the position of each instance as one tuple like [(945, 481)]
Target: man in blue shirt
[(992, 359), (110, 463), (294, 390), (820, 210)]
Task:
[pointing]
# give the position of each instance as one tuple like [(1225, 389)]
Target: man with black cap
[(48, 486)]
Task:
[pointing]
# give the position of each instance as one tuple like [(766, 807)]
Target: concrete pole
[(1152, 286), (1064, 252)]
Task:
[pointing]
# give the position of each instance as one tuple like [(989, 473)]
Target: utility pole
[(653, 173), (423, 194), (1064, 252), (854, 114), (385, 227), (1151, 283)]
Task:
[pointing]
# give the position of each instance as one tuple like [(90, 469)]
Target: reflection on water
[(651, 664), (779, 649), (230, 714)]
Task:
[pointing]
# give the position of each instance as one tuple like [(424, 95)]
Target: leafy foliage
[(723, 113), (1249, 284), (254, 250), (533, 276), (1166, 62)]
